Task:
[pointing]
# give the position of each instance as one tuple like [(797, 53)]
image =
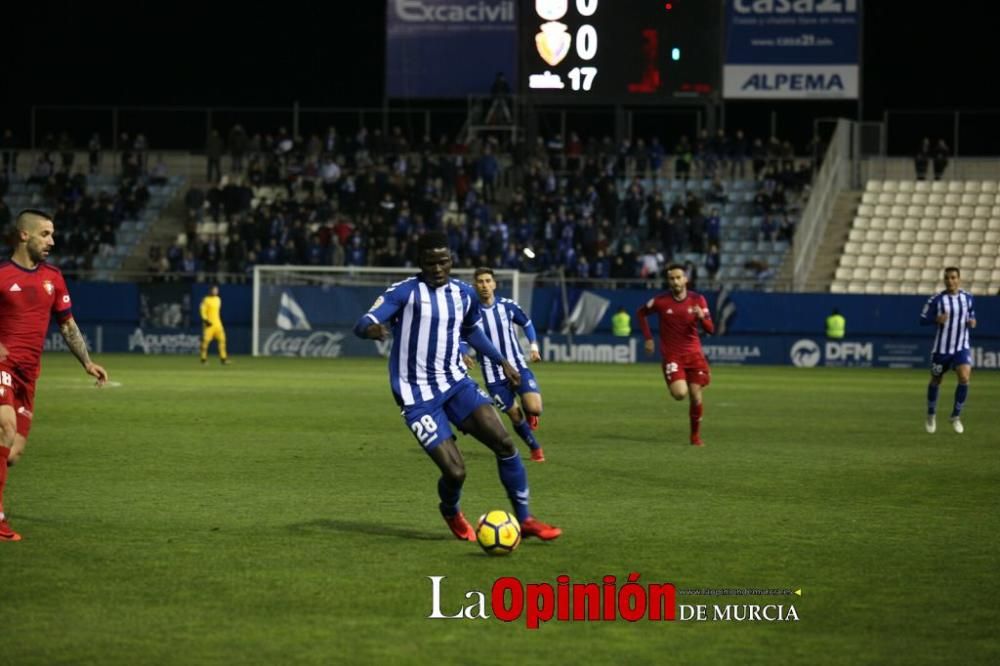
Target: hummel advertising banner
[(449, 48), (792, 49)]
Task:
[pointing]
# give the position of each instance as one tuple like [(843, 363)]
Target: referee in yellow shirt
[(211, 322)]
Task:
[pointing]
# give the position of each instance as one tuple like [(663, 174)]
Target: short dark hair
[(952, 269), (30, 211), (483, 270), (432, 240), (676, 267)]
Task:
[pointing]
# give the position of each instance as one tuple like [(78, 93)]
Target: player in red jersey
[(684, 366), (31, 291)]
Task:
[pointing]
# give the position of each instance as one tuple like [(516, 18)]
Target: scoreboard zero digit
[(619, 51)]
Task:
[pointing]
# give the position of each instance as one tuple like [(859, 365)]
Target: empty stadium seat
[(905, 186), (838, 287), (866, 210), (890, 185), (896, 223), (919, 198), (883, 261), (890, 288), (865, 261), (898, 261), (908, 235), (850, 260), (922, 186)]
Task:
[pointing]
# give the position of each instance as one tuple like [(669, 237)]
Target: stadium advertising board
[(620, 51), (448, 48), (792, 49)]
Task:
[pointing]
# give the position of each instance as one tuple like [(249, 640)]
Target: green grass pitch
[(277, 512)]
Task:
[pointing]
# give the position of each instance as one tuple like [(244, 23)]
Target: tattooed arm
[(74, 340)]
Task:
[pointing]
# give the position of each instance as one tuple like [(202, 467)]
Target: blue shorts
[(429, 421), (503, 396), (942, 363)]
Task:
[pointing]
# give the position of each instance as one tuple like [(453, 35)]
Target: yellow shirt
[(836, 327), (211, 309), (621, 324)]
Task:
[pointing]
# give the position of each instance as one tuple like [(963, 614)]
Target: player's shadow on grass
[(374, 529)]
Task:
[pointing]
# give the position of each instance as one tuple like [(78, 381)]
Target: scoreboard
[(619, 51)]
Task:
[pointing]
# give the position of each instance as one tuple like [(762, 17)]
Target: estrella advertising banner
[(792, 49), (449, 48)]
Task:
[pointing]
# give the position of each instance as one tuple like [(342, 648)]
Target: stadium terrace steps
[(905, 231), (832, 245)]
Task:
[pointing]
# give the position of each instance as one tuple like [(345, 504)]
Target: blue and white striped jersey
[(498, 323), (427, 325), (953, 335)]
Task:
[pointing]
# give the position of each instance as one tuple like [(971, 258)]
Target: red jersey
[(28, 299), (678, 325)]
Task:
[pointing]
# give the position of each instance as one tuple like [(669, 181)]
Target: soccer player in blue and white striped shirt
[(430, 314), (952, 312), (500, 315)]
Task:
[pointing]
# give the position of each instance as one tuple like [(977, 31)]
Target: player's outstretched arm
[(74, 340)]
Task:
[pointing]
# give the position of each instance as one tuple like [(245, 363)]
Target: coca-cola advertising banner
[(319, 344)]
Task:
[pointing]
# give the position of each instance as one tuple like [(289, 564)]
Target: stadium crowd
[(591, 208), (85, 215)]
